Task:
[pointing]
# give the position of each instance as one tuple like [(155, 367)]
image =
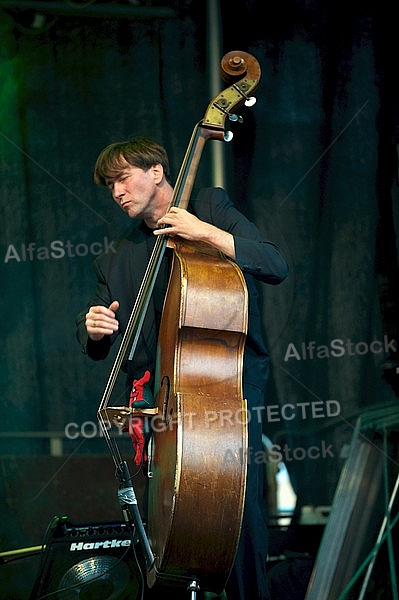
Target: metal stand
[(347, 539), (193, 588), (128, 501), (384, 528), (127, 497)]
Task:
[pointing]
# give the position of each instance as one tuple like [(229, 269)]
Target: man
[(137, 173)]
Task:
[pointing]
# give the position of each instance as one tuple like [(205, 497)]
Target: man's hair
[(139, 152)]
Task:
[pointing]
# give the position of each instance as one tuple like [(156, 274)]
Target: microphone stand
[(126, 495), (128, 502)]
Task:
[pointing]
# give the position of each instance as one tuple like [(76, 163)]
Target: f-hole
[(165, 389)]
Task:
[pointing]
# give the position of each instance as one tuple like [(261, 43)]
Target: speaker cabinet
[(88, 561)]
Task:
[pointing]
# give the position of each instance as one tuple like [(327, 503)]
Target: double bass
[(196, 471)]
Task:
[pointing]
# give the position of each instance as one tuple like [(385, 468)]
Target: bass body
[(197, 475)]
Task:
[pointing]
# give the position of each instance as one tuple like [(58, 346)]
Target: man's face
[(134, 190)]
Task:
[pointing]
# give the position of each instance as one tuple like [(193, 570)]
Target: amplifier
[(88, 561)]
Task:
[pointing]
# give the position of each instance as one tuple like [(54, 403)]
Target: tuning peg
[(250, 101), (228, 136), (236, 118)]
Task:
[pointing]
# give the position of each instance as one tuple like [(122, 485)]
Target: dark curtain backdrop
[(314, 165)]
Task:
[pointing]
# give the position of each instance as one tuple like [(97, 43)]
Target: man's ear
[(158, 173)]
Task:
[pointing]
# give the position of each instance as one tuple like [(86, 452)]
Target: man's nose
[(118, 189)]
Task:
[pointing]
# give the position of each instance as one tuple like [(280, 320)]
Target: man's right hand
[(101, 321)]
